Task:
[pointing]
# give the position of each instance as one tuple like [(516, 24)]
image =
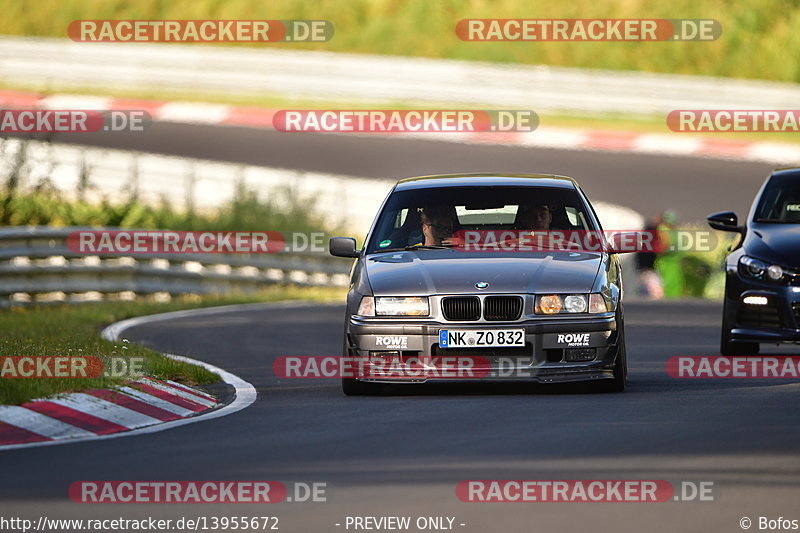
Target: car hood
[(428, 272), (776, 243)]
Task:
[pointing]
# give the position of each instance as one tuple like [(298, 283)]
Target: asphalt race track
[(692, 186), (404, 454)]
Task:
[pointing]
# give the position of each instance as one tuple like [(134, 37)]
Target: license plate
[(481, 338)]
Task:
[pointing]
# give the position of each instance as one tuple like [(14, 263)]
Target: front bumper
[(549, 355), (777, 321)]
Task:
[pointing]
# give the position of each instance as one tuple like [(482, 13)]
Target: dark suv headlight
[(760, 270)]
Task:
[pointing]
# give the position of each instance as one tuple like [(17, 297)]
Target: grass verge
[(759, 38), (75, 331), (597, 121)]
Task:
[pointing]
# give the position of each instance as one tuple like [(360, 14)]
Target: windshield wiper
[(419, 247)]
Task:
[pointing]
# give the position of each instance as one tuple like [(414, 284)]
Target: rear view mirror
[(482, 206), (343, 247)]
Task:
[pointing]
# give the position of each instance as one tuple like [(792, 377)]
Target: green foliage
[(244, 212), (759, 38)]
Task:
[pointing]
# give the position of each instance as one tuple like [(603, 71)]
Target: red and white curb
[(146, 405), (101, 411), (674, 144)]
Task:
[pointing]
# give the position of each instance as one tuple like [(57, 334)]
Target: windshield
[(431, 217), (780, 201)]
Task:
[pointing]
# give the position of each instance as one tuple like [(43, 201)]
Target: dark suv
[(762, 285)]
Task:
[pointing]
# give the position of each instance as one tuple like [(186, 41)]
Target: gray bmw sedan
[(484, 278)]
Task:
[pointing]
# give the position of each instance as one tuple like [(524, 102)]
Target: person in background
[(668, 263), (650, 284)]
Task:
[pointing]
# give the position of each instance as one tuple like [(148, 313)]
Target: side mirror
[(625, 242), (343, 247), (726, 221)]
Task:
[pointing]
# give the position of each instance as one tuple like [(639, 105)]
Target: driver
[(437, 225), (534, 217)]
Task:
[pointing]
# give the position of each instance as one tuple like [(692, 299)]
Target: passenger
[(531, 218)]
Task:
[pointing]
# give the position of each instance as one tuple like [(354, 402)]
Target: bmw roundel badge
[(481, 285)]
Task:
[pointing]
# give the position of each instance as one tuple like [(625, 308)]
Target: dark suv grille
[(502, 307), (461, 308), (760, 316)]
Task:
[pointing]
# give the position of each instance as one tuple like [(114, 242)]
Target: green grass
[(759, 38), (59, 330)]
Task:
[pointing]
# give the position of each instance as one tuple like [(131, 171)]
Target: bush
[(244, 212)]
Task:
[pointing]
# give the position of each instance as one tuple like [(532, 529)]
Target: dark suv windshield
[(780, 201), (429, 217)]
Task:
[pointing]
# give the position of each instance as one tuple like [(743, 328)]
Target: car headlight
[(552, 304), (757, 269), (549, 304), (774, 272), (575, 303), (394, 306)]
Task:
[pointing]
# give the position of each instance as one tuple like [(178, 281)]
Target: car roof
[(486, 180), (793, 172)]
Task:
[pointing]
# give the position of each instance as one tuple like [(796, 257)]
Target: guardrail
[(37, 266), (96, 173), (326, 76)]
